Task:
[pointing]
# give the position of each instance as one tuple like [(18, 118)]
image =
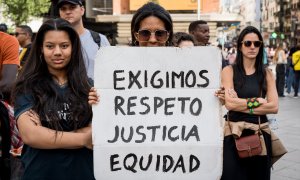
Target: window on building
[(271, 26), (102, 7)]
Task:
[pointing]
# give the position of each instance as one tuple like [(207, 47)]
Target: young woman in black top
[(51, 106), (245, 80)]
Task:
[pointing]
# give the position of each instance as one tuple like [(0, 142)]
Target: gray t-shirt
[(90, 49)]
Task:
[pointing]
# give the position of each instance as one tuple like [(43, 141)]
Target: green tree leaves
[(20, 11)]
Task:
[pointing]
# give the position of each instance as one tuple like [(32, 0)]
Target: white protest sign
[(158, 117)]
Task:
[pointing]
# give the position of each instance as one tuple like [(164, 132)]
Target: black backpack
[(96, 37)]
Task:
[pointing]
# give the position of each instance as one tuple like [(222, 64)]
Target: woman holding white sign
[(151, 25), (250, 94), (51, 107)]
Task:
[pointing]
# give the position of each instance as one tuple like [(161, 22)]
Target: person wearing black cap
[(72, 11)]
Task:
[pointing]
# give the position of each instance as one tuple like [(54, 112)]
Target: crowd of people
[(287, 69), (53, 92)]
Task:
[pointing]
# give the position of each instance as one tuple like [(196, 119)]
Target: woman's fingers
[(93, 96)]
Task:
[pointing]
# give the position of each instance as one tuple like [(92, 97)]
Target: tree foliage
[(19, 11)]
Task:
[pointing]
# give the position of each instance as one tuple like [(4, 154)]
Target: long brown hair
[(276, 54), (36, 81)]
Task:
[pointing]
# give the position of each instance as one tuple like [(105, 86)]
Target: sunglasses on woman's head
[(145, 34), (249, 43)]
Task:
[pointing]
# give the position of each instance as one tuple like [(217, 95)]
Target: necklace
[(61, 83)]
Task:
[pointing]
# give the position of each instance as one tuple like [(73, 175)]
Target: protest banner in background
[(157, 117)]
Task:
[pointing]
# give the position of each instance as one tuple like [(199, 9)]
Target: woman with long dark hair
[(248, 80), (151, 25), (51, 106)]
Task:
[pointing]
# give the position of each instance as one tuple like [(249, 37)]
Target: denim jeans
[(290, 80), (297, 79)]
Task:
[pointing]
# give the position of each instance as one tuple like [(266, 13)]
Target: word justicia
[(157, 79)]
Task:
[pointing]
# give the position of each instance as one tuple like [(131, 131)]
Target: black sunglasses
[(145, 34), (249, 43), (17, 33)]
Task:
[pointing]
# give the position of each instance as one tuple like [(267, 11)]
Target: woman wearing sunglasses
[(151, 25), (248, 79)]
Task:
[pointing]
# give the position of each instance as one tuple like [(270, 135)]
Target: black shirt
[(64, 164)]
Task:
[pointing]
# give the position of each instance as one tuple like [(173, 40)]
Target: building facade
[(183, 12), (280, 22)]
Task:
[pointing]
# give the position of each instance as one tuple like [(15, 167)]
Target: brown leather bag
[(248, 146)]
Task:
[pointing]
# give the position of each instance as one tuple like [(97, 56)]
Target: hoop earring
[(41, 57)]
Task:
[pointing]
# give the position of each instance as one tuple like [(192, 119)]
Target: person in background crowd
[(9, 62), (231, 56), (290, 80), (224, 61), (24, 35), (265, 57), (72, 11), (248, 78), (271, 54), (51, 106), (3, 27), (182, 39), (296, 63), (280, 60), (200, 30)]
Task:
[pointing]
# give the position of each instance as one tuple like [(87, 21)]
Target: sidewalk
[(288, 118)]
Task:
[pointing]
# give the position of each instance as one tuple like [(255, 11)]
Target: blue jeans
[(290, 80), (297, 82)]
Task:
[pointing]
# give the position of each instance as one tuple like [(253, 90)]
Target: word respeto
[(166, 105)]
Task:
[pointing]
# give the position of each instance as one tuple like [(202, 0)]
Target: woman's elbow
[(26, 138), (275, 110), (27, 135)]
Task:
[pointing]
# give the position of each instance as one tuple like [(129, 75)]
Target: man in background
[(73, 11), (200, 30), (24, 34)]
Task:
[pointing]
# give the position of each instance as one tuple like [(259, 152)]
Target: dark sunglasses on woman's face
[(145, 34), (249, 43)]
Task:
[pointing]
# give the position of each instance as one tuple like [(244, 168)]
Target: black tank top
[(250, 89)]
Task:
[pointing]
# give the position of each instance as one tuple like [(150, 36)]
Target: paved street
[(288, 117)]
